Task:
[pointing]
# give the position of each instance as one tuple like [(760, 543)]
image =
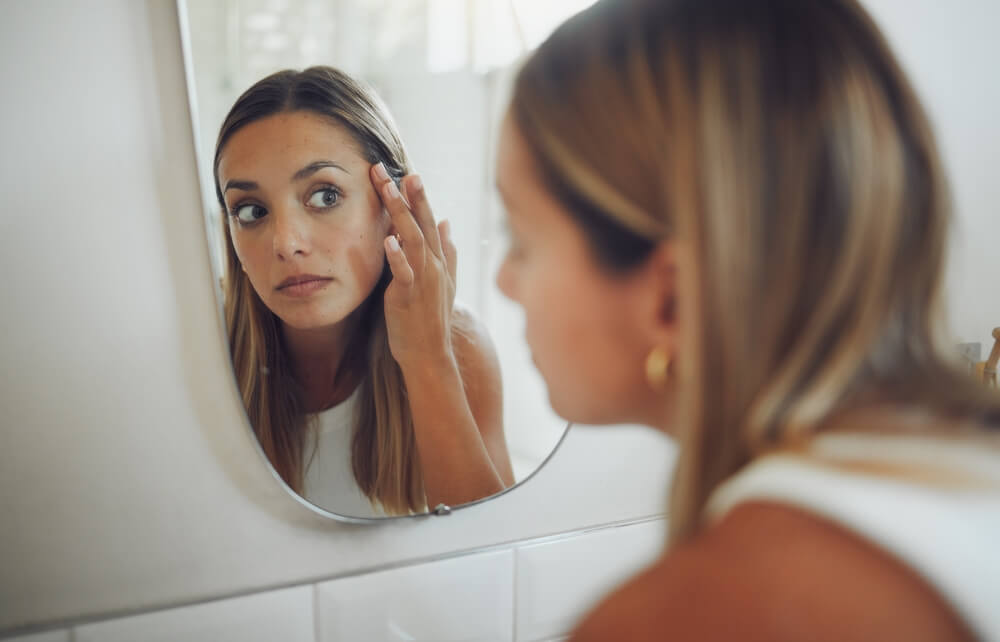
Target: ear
[(658, 316)]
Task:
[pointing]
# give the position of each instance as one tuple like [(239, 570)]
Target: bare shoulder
[(771, 572), (480, 369), (474, 350)]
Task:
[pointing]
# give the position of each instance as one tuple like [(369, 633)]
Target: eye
[(248, 213), (322, 198)]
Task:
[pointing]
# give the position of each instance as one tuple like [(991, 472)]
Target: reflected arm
[(480, 368), (456, 404), (450, 369)]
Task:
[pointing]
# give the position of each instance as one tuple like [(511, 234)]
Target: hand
[(418, 302)]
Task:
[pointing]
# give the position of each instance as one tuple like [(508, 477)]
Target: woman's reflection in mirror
[(369, 390), (729, 222)]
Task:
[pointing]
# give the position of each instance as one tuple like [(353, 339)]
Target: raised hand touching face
[(422, 257)]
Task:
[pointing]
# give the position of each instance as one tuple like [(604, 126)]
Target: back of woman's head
[(780, 145)]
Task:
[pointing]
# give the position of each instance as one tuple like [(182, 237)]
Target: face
[(589, 331), (304, 217)]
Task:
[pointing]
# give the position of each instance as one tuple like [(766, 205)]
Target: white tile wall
[(48, 636), (530, 593), (558, 581), (464, 598), (285, 615)]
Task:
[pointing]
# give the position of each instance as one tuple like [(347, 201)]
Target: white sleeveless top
[(329, 477), (933, 503)]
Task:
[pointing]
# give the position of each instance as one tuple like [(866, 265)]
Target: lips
[(302, 284)]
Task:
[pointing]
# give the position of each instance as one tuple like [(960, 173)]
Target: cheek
[(577, 330), (248, 253), (558, 321), (365, 255)]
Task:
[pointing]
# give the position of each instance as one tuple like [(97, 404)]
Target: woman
[(352, 364), (728, 222)]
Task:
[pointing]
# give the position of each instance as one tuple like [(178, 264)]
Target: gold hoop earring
[(657, 368)]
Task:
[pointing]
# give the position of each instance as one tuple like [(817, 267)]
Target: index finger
[(399, 211)]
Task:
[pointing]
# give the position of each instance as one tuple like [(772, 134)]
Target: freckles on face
[(303, 216)]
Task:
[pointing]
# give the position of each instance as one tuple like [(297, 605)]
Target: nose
[(290, 235)]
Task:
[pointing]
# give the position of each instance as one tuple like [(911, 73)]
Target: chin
[(298, 324), (577, 408), (302, 320)]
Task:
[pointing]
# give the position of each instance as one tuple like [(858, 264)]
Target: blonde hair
[(384, 454), (780, 144)]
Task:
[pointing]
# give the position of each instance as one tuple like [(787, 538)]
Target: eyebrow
[(308, 170), (314, 167), (246, 186)]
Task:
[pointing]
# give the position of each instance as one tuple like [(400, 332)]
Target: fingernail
[(380, 171), (446, 228), (416, 183), (393, 243)]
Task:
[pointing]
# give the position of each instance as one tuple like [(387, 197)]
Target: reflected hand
[(418, 302)]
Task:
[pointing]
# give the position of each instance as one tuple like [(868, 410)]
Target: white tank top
[(329, 477), (933, 503)]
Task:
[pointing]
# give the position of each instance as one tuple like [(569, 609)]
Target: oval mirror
[(348, 440)]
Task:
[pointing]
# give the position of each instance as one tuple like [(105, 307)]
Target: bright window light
[(486, 34), (539, 19)]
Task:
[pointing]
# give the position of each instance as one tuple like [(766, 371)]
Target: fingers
[(402, 220), (401, 270), (448, 248), (421, 209)]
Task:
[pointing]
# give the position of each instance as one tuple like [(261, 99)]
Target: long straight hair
[(780, 144), (383, 448)]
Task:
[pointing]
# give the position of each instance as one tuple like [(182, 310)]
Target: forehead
[(519, 178), (516, 171), (288, 141), (513, 160)]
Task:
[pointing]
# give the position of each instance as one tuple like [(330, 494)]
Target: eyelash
[(234, 212), (326, 188)]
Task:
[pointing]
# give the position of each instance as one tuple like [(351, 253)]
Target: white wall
[(950, 51), (533, 591)]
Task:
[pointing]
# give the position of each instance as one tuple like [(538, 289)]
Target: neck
[(660, 412), (319, 360)]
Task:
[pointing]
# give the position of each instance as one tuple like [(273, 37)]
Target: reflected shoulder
[(474, 350), (481, 377)]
